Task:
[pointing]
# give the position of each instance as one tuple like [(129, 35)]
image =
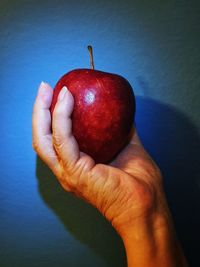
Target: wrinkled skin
[(128, 191), (126, 184)]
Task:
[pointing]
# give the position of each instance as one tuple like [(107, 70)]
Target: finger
[(135, 140), (138, 150), (126, 158), (64, 142), (41, 127), (41, 114)]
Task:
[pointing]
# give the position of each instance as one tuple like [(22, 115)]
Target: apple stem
[(91, 56)]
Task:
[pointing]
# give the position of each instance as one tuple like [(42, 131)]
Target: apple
[(104, 109)]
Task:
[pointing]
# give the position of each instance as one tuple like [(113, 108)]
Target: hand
[(122, 191), (128, 191)]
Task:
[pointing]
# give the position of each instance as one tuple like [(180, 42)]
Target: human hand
[(128, 191)]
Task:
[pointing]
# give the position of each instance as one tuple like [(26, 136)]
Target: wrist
[(152, 241)]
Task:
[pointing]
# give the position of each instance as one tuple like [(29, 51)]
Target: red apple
[(104, 108)]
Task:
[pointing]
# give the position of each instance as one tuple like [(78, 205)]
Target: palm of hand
[(124, 190)]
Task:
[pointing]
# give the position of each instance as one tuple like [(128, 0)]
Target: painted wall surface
[(155, 45)]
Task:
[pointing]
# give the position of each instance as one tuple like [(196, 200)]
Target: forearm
[(151, 243)]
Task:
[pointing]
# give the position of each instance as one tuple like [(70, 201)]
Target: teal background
[(155, 45)]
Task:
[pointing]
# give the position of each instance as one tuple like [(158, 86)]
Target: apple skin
[(104, 109)]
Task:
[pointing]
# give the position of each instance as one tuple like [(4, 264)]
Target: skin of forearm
[(152, 242)]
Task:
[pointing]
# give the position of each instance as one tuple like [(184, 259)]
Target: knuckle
[(76, 178), (138, 163), (72, 182), (63, 180), (35, 146), (58, 140), (155, 172), (145, 196)]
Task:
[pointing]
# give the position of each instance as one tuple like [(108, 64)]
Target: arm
[(152, 243), (128, 191)]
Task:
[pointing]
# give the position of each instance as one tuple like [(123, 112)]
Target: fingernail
[(62, 93), (41, 88)]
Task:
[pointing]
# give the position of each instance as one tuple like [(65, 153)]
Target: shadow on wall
[(82, 220), (174, 143)]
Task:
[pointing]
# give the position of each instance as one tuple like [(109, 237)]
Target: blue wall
[(155, 45)]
